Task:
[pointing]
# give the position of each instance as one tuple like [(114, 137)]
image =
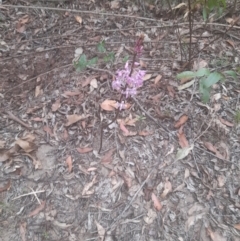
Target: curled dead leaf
[(183, 142), (84, 150), (156, 202), (69, 163), (183, 119)]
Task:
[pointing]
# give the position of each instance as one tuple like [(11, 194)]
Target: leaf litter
[(67, 113)]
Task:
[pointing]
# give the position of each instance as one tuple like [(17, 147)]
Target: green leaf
[(212, 79), (204, 91), (202, 72), (231, 73), (81, 63), (204, 13), (186, 75), (109, 57), (125, 59), (92, 61), (101, 47)]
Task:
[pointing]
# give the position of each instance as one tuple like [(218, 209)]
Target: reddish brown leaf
[(156, 202), (5, 187), (171, 91), (22, 229), (107, 158), (145, 133), (38, 209), (225, 122), (181, 121), (210, 147), (157, 79), (123, 128), (84, 150), (48, 130), (183, 142), (69, 163)]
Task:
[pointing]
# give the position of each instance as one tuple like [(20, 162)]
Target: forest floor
[(169, 166)]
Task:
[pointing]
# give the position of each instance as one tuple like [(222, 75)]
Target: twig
[(34, 193), (27, 194), (80, 11), (13, 117), (29, 80)]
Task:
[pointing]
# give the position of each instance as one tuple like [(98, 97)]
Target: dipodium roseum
[(126, 84)]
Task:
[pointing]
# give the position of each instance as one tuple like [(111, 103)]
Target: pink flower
[(133, 82)]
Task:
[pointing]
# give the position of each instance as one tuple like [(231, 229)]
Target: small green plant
[(237, 117), (83, 62), (206, 80)]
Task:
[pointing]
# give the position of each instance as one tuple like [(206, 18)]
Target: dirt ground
[(55, 185)]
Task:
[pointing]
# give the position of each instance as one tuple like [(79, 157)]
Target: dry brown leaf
[(71, 93), (48, 130), (210, 147), (107, 158), (89, 185), (167, 188), (5, 187), (114, 4), (199, 65), (101, 231), (73, 119), (157, 79), (78, 19), (127, 179), (37, 119), (147, 77), (225, 122), (237, 226), (69, 163), (145, 133), (25, 143), (142, 64), (22, 229), (123, 128), (4, 155), (38, 91), (84, 149), (156, 202), (183, 142), (183, 119), (109, 105), (37, 210), (215, 236), (65, 134), (2, 144), (171, 91), (231, 43)]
